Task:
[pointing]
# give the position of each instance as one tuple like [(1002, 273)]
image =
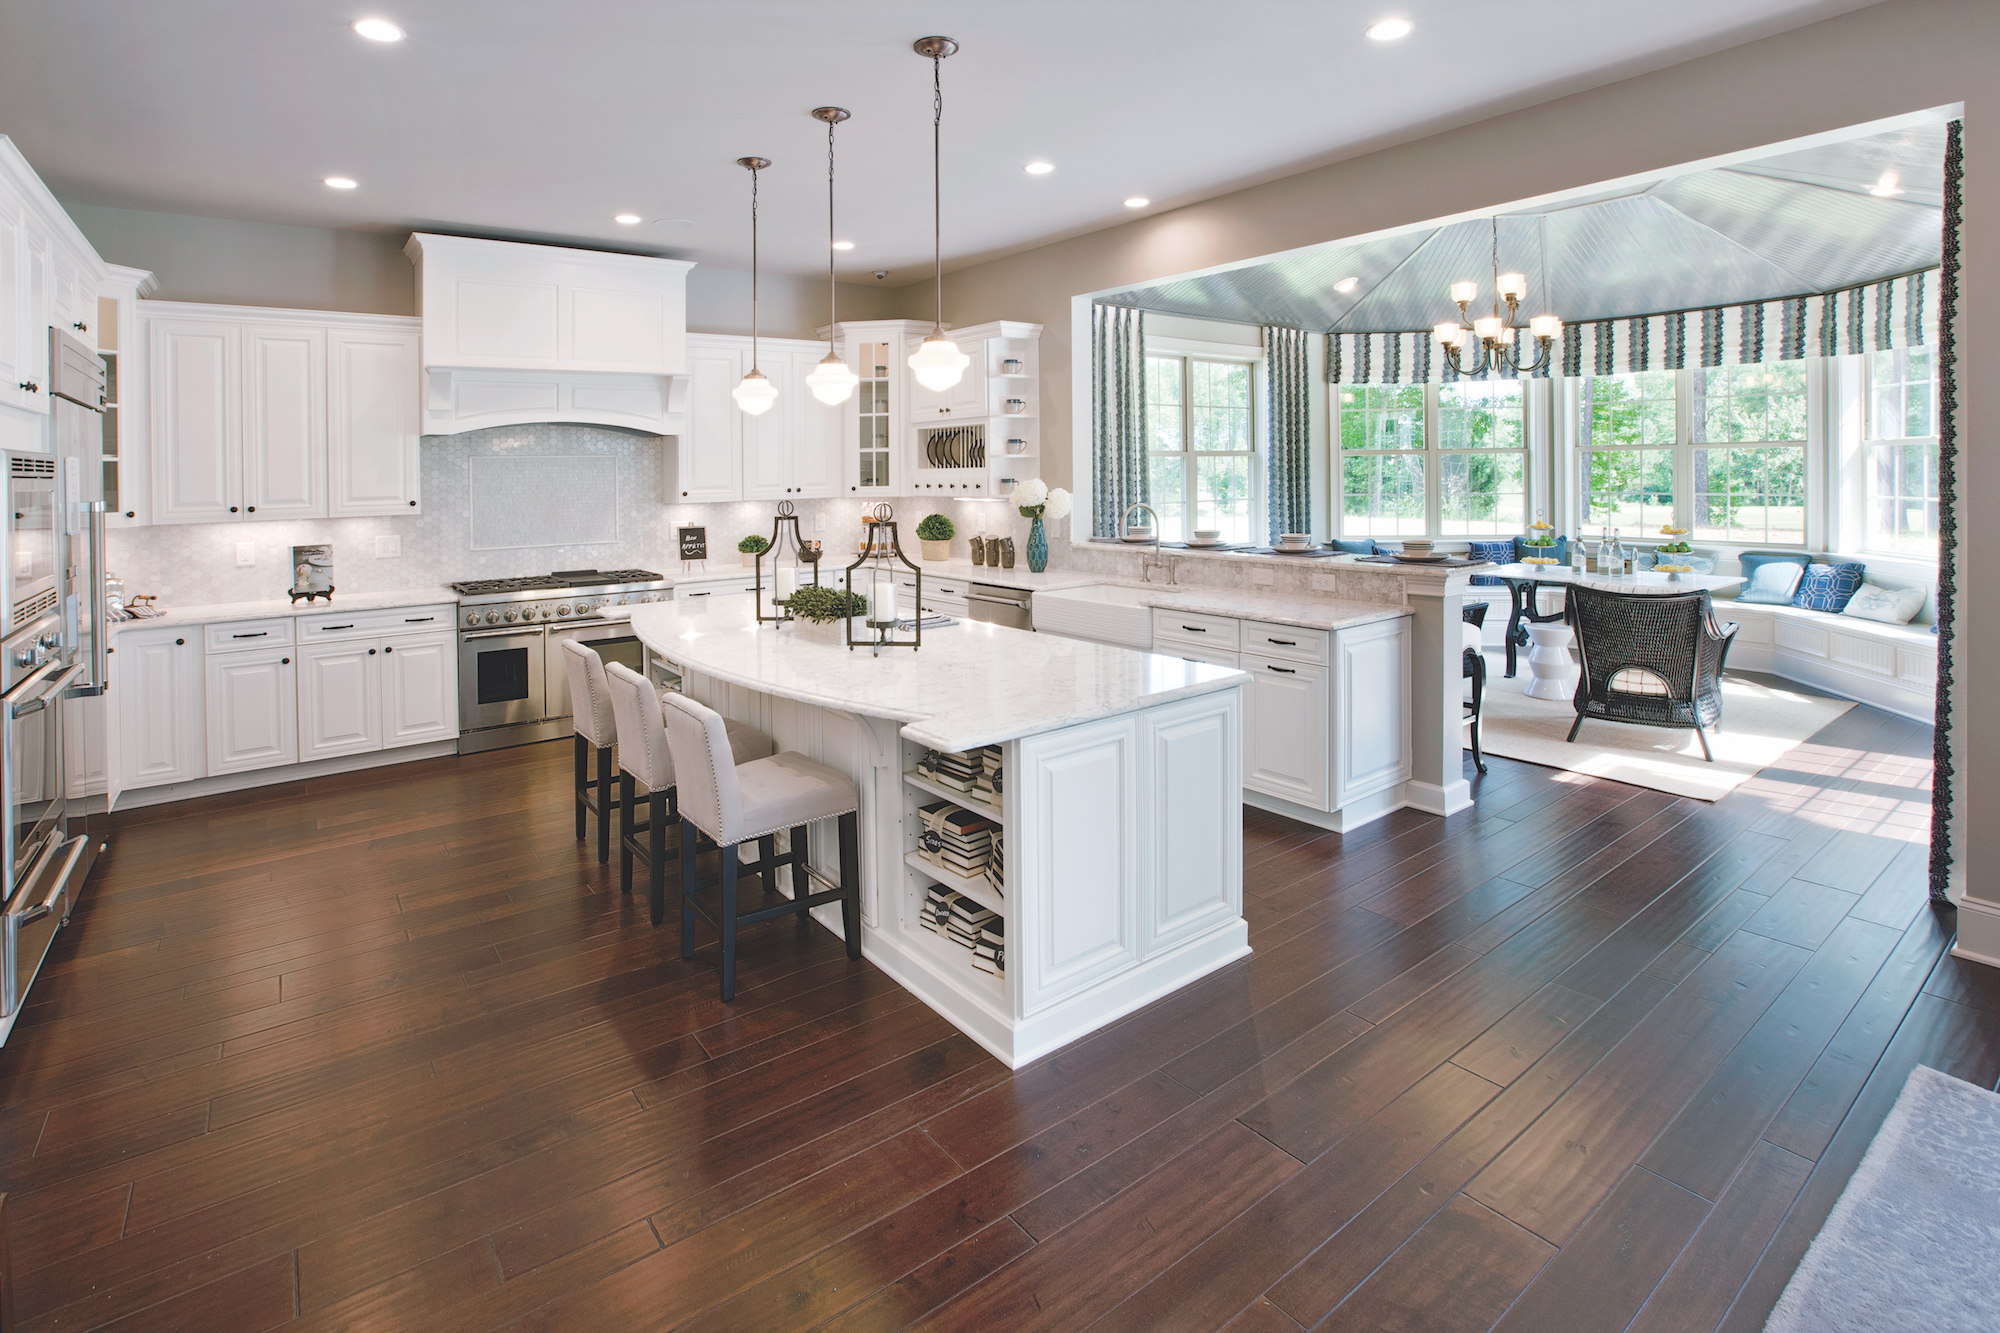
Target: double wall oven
[(513, 687)]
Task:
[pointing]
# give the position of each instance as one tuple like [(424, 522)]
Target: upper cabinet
[(720, 452), (267, 414), (48, 278), (516, 333), (123, 464)]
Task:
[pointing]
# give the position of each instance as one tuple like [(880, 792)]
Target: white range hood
[(519, 334)]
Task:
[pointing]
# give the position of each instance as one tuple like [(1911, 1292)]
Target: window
[(1201, 457), (1450, 460), (1382, 460), (1719, 450), (1900, 458)]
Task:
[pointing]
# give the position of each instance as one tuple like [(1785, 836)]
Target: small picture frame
[(693, 546)]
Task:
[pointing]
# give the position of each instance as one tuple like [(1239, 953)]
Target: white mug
[(1011, 366), (1016, 405)]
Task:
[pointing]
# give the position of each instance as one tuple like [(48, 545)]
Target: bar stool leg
[(850, 882), (582, 781), (604, 771), (801, 881), (728, 858), (687, 886), (767, 852), (625, 833), (656, 855)]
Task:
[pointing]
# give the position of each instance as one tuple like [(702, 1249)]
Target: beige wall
[(314, 268), (1893, 58)]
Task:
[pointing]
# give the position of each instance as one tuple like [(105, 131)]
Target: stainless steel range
[(512, 685)]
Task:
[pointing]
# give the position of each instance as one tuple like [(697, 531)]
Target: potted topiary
[(936, 532), (751, 547), (822, 611)]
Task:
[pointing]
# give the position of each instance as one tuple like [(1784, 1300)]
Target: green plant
[(936, 528), (819, 603), (753, 545)]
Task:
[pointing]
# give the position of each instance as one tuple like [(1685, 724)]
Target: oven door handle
[(502, 634), (77, 847), (997, 601), (19, 708), (41, 672)]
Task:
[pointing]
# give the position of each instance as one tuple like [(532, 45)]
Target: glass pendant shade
[(938, 364), (755, 393), (832, 380)]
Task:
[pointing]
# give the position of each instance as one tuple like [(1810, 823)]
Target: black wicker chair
[(1652, 660), (1474, 614)]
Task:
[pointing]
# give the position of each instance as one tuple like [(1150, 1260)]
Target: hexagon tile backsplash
[(194, 564)]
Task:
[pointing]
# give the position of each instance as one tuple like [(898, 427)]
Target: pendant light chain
[(937, 183), (755, 363), (832, 287)]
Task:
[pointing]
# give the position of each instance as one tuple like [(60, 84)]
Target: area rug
[(1760, 725), (1910, 1245)]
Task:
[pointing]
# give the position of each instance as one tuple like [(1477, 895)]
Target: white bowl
[(1208, 534)]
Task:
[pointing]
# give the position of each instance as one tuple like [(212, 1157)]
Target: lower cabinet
[(419, 689), (253, 718), (359, 695), (158, 699), (1285, 727)]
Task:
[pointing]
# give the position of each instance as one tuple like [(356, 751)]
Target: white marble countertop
[(1300, 610), (220, 612), (969, 685), (1645, 581)]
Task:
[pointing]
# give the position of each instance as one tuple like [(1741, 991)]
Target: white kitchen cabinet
[(816, 469), (122, 455), (48, 276), (340, 698), (373, 415), (419, 689), (72, 298), (195, 407), (1371, 692), (252, 710), (705, 462), (158, 696), (792, 452), (284, 421), (33, 318), (13, 304), (1285, 719), (965, 399)]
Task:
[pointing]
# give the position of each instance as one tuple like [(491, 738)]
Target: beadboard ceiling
[(540, 120)]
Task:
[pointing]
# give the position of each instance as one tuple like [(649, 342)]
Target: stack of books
[(988, 782), (996, 866), (980, 931), (956, 838), (990, 953), (960, 772)]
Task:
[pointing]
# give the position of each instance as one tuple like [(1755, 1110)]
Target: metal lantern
[(794, 563), (880, 552)]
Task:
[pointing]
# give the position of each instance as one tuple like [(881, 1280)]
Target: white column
[(1437, 747)]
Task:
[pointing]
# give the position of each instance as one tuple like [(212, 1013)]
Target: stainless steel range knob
[(583, 608), (563, 610), (512, 616), (492, 617), (528, 613), (472, 617)]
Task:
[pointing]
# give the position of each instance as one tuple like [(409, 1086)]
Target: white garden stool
[(1554, 671)]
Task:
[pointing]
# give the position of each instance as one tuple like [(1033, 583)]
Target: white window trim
[(1536, 428), (1234, 353)]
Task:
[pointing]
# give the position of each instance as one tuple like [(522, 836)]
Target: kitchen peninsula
[(1120, 804)]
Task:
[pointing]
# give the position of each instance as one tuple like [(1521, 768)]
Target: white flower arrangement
[(1036, 500), (1031, 494)]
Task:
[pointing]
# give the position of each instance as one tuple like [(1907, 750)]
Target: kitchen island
[(1120, 805)]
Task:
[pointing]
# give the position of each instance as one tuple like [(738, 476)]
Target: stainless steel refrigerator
[(52, 649)]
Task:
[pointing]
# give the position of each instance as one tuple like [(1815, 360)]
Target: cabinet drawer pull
[(1289, 643), (1194, 629), (418, 620), (324, 628), (260, 634), (1289, 671)]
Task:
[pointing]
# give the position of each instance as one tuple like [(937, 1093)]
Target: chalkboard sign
[(694, 543)]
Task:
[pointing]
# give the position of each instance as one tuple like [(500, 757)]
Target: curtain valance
[(1877, 317)]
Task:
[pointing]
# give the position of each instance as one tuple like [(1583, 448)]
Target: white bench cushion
[(1890, 666)]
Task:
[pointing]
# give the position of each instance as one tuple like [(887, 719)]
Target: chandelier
[(1492, 342)]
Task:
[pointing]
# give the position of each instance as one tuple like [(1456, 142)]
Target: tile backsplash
[(189, 564)]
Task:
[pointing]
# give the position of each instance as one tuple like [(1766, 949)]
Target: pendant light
[(832, 380), (754, 394), (938, 364)]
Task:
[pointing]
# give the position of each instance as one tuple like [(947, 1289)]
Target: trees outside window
[(1900, 455), (1202, 463), (1432, 460)]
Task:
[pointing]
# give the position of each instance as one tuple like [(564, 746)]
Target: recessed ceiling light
[(1137, 201), (843, 245), (1040, 168), (1388, 30), (674, 222), (1347, 284), (627, 219), (378, 30), (1886, 187), (339, 183)]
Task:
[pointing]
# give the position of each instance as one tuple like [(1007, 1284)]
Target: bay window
[(1444, 460), (1900, 456), (1201, 459)]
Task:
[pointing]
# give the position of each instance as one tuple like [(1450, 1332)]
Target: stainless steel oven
[(501, 677), (612, 640)]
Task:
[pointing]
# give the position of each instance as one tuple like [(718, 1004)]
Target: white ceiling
[(540, 120)]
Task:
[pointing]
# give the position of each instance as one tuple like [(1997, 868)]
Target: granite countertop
[(969, 685), (219, 612)]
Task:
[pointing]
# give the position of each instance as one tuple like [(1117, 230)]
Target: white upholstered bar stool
[(596, 726), (643, 755), (733, 803)]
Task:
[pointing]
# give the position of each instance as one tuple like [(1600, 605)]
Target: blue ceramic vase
[(1038, 546)]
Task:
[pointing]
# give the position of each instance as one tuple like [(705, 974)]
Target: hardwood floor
[(390, 1051)]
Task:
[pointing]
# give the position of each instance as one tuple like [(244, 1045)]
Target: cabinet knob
[(131, 513), (232, 509), (413, 504), (253, 509), (284, 661), (683, 492), (180, 643), (371, 652), (388, 650), (81, 327)]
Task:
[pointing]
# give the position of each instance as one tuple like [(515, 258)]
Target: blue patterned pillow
[(1357, 546), (1499, 553), (1828, 587)]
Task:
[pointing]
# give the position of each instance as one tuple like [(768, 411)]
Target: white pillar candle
[(788, 582), (883, 607)]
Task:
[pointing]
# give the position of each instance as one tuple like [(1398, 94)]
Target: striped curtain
[(1878, 317), (1118, 415), (1944, 774), (1288, 470)]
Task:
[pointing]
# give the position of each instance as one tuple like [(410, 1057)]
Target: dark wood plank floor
[(390, 1051)]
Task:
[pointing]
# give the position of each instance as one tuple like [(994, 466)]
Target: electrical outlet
[(388, 548), (246, 554), (1325, 583), (819, 521), (1263, 578)]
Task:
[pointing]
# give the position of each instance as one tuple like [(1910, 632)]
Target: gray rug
[(1914, 1241)]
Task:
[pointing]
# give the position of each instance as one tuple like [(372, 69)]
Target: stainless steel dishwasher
[(1000, 606)]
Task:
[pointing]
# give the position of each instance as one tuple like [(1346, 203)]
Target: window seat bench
[(1893, 667)]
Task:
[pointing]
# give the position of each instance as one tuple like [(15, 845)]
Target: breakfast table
[(1523, 580)]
